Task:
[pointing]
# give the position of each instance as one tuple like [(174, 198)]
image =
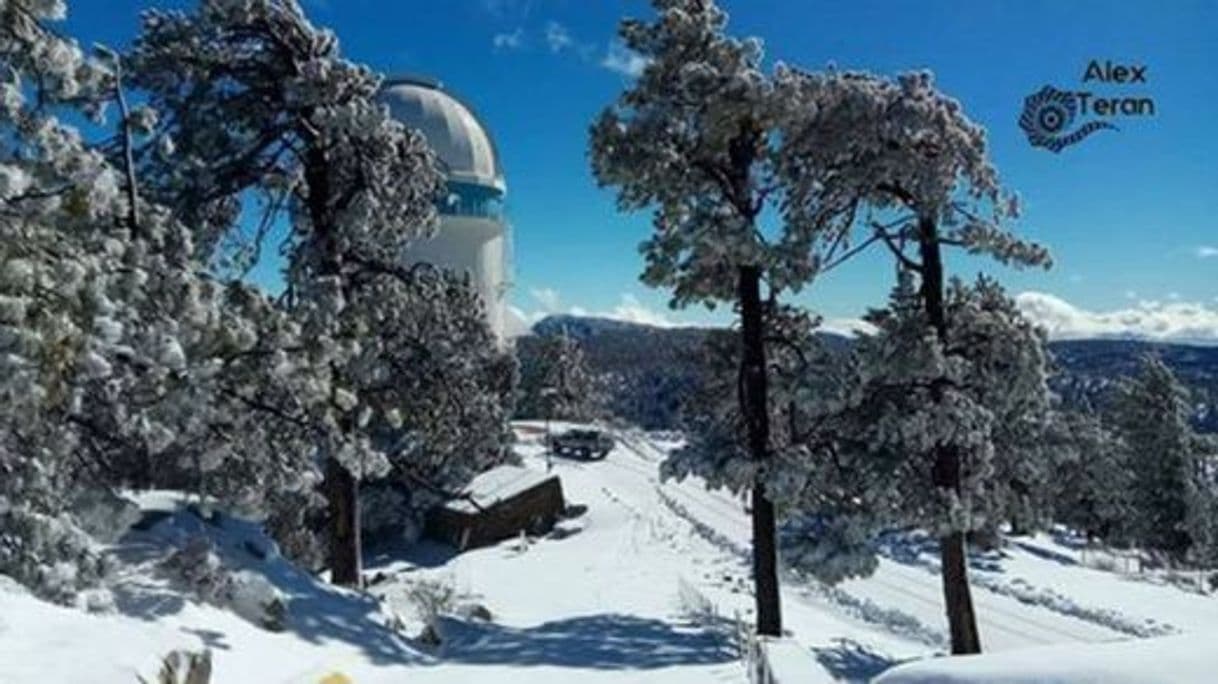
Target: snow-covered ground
[(1182, 659), (644, 586)]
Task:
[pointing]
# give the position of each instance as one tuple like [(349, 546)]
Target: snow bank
[(267, 622), (1182, 659), (772, 660)]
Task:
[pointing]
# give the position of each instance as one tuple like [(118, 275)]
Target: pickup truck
[(585, 444)]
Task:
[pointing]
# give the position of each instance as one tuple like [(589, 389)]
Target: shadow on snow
[(608, 641), (850, 661), (317, 612)]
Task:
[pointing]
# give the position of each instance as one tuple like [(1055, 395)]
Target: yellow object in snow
[(336, 678)]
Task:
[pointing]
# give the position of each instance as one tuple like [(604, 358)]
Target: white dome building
[(474, 235)]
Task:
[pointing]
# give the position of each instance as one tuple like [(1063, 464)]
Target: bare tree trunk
[(753, 398), (961, 620), (340, 487), (945, 472), (342, 496), (133, 196)]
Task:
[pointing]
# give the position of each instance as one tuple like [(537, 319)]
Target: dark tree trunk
[(945, 471), (342, 496), (961, 620), (340, 487), (753, 399)]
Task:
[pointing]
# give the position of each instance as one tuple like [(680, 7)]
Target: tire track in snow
[(1052, 601), (636, 446), (894, 621), (986, 623)]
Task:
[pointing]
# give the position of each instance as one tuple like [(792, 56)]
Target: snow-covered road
[(611, 600), (1004, 621)]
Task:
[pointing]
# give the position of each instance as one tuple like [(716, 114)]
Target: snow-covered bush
[(251, 595), (49, 554), (475, 611), (431, 599), (695, 607), (103, 514), (832, 547), (296, 521), (183, 667), (199, 569)]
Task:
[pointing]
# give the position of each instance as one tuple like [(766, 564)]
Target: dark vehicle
[(585, 444)]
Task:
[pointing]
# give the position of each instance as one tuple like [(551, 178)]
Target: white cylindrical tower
[(473, 235)]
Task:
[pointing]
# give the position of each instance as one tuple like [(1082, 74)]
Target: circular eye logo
[(1048, 115)]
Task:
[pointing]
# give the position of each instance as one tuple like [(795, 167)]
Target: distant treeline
[(647, 371)]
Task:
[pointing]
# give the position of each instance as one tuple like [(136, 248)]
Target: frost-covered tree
[(46, 340), (447, 402), (920, 168), (874, 463), (805, 381), (828, 527), (1171, 485), (698, 140), (118, 354), (262, 107), (557, 383), (1091, 483), (1009, 368)]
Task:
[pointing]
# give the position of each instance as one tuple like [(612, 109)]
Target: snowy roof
[(450, 126), (497, 484)]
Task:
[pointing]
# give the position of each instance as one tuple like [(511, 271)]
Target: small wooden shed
[(499, 504)]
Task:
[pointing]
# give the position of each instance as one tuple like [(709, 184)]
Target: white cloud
[(507, 8), (847, 327), (509, 41), (558, 37), (1174, 321), (630, 309), (620, 59), (518, 322), (1207, 251), (547, 297)]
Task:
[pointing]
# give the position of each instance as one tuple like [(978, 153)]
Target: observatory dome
[(460, 140)]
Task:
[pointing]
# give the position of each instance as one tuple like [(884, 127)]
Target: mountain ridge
[(648, 368)]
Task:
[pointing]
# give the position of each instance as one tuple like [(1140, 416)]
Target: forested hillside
[(646, 370)]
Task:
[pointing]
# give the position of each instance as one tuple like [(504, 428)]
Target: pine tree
[(1009, 369), (446, 401), (1171, 487), (907, 153), (258, 99), (119, 354), (1092, 483), (557, 384), (701, 139), (873, 461)]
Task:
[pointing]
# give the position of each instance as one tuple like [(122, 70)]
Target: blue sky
[(1131, 215)]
